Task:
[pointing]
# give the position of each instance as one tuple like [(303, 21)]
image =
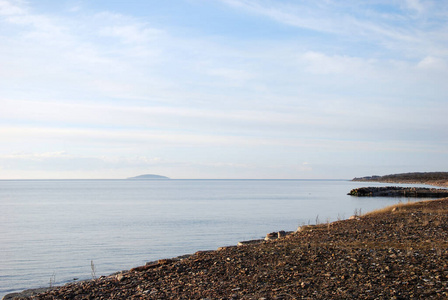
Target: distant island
[(431, 178), (149, 177)]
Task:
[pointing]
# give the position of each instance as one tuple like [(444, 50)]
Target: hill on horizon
[(148, 177), (431, 178), (407, 176)]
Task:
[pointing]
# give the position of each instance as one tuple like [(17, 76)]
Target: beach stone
[(119, 277), (271, 236), (281, 233), (225, 247), (250, 242), (305, 228), (165, 261), (301, 228)]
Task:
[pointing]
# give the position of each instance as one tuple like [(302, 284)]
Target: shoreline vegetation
[(398, 252)]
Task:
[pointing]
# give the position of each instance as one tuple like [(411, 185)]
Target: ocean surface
[(52, 231)]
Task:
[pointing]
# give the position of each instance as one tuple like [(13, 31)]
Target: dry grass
[(397, 208)]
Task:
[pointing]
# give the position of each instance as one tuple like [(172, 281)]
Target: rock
[(271, 236), (26, 293), (225, 247), (165, 261), (277, 234), (251, 242), (119, 277), (396, 191), (304, 228)]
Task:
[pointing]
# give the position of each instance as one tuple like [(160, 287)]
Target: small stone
[(271, 236), (119, 277), (281, 233)]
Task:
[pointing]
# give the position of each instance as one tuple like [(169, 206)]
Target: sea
[(54, 232)]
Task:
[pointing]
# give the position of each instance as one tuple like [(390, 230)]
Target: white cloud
[(320, 63), (36, 156), (120, 138), (204, 120), (11, 7), (306, 167), (36, 26), (126, 29), (235, 75), (131, 33), (64, 165), (74, 166), (433, 63), (75, 8), (415, 5), (299, 15), (66, 56)]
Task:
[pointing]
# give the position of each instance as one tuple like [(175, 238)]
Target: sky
[(221, 89)]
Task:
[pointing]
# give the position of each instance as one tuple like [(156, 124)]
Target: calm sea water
[(54, 229)]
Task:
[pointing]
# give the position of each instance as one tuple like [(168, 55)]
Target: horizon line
[(168, 179)]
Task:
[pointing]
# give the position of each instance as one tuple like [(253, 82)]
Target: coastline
[(395, 252), (439, 183), (439, 179)]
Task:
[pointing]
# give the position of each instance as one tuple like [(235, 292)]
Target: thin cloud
[(395, 30), (131, 33), (301, 81), (416, 5), (8, 8)]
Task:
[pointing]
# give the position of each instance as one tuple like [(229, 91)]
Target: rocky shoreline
[(396, 191), (399, 252)]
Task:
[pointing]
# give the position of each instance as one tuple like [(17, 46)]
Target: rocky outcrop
[(395, 191), (25, 294)]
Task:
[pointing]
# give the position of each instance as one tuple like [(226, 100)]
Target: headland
[(430, 178)]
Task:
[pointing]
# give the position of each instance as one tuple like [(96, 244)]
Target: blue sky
[(222, 89)]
